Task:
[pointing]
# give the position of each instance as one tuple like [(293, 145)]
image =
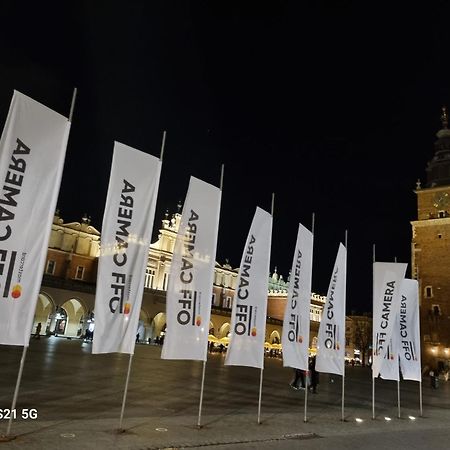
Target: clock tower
[(430, 253)]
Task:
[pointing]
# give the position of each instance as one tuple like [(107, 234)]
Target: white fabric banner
[(387, 280), (409, 331), (126, 234), (189, 294), (331, 339), (295, 337), (248, 316), (32, 151)]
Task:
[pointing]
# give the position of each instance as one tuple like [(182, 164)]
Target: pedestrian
[(38, 331), (314, 375), (299, 380), (137, 338)]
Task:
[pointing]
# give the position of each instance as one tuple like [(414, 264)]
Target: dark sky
[(333, 108)]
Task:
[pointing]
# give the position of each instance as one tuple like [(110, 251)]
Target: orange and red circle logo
[(198, 321), (16, 291)]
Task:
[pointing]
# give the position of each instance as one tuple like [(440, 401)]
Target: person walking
[(299, 379), (314, 375), (38, 331)]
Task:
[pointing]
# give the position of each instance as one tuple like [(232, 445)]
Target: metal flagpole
[(25, 348), (131, 355), (420, 399), (262, 369), (199, 421), (343, 373), (373, 378), (125, 392), (16, 390), (398, 381), (420, 382), (72, 106), (305, 418), (163, 144), (260, 395)]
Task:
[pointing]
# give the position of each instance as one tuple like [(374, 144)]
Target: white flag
[(331, 340), (248, 316), (32, 151), (387, 280), (126, 234), (189, 293), (295, 337), (409, 331)]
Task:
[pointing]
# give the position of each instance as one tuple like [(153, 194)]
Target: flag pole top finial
[(444, 117)]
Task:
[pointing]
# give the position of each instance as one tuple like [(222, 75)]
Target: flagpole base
[(4, 438)]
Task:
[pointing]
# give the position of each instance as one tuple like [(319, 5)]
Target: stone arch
[(224, 330), (212, 328), (76, 314), (145, 326), (45, 306), (159, 324), (275, 337)]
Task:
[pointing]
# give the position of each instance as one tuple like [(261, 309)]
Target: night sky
[(334, 109)]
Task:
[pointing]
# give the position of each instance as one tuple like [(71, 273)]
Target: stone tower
[(430, 252)]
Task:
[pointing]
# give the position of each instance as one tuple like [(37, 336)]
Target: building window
[(436, 310), (213, 299), (165, 281), (50, 267), (428, 292), (228, 302), (439, 235), (149, 278), (441, 214), (79, 274)]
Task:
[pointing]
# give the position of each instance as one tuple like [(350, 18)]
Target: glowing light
[(387, 419), (411, 418), (359, 420)]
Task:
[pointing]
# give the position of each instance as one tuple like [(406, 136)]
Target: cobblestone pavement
[(78, 399)]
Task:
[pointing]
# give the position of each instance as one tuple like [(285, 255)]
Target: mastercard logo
[(127, 308), (198, 321), (16, 291), (253, 331)]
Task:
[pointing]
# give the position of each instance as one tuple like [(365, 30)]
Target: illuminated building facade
[(430, 253), (66, 301)]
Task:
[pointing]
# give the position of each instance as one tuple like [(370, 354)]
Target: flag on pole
[(387, 280), (32, 151), (126, 234), (295, 337), (331, 339), (248, 315), (189, 293), (409, 331)]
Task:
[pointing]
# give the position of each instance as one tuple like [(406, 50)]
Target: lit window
[(50, 267), (165, 281), (149, 278), (79, 274)]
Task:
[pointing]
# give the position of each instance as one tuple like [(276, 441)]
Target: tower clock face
[(441, 200)]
